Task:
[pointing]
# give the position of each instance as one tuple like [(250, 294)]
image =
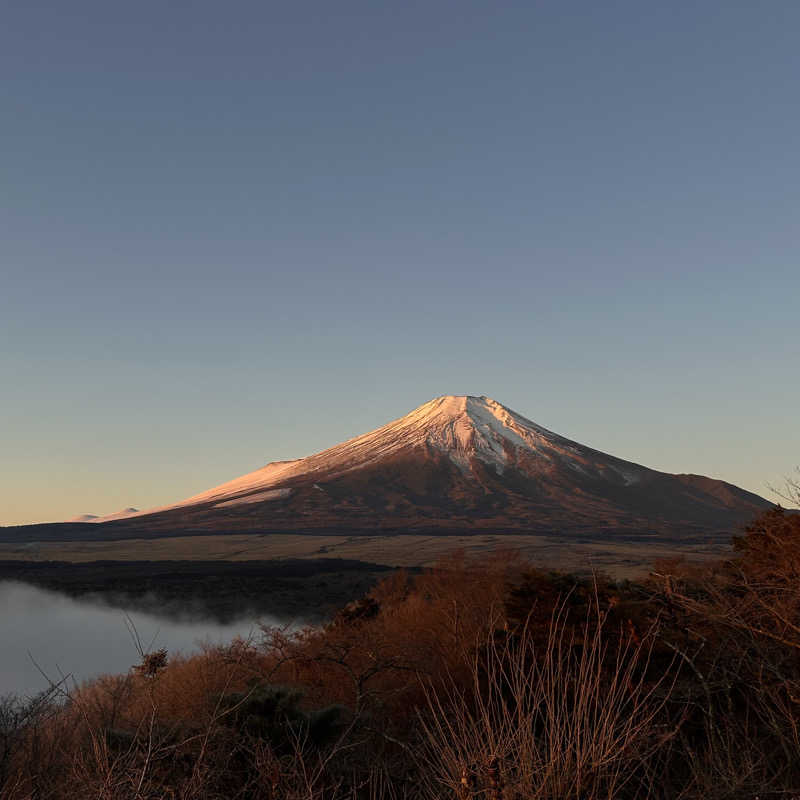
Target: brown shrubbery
[(482, 679), (736, 627)]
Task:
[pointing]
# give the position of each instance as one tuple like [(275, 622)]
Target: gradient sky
[(238, 232)]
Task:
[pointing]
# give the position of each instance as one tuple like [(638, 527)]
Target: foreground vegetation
[(488, 679)]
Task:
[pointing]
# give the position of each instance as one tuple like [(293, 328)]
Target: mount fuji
[(456, 464)]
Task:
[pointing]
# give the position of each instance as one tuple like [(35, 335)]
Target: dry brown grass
[(622, 559)]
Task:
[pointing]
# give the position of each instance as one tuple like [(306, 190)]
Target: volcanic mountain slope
[(460, 464)]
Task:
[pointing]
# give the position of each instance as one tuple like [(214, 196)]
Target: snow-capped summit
[(461, 428), (464, 427), (459, 462)]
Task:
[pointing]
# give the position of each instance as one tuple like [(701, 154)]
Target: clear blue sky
[(238, 232)]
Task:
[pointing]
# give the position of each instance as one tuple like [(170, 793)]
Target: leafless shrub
[(572, 719), (790, 492), (739, 620)]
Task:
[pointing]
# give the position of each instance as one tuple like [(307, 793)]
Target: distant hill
[(125, 512)]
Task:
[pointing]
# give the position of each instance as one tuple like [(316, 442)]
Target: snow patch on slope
[(258, 497)]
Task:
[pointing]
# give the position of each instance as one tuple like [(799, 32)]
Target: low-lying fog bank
[(310, 590), (70, 619), (48, 632)]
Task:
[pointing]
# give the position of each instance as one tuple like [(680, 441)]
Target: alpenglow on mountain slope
[(458, 463)]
